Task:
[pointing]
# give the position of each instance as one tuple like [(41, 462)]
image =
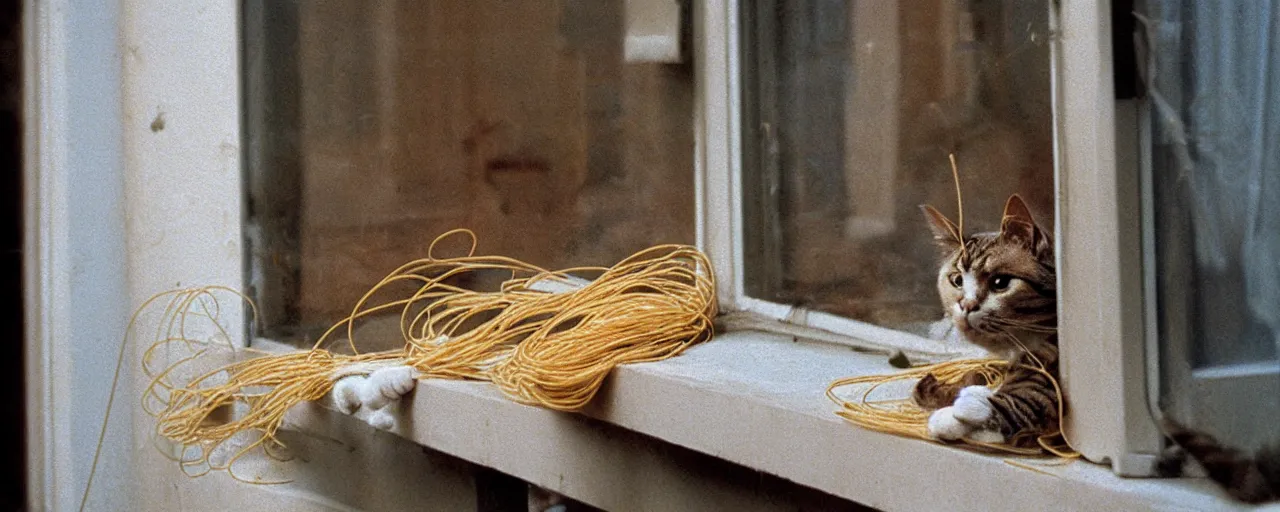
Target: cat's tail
[(1249, 479)]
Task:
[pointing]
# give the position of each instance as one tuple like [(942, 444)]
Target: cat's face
[(998, 286)]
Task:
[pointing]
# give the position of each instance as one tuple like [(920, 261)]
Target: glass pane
[(853, 109), (556, 130), (1214, 72), (1218, 173)]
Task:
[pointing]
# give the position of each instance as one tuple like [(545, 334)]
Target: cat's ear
[(1017, 221), (944, 231)]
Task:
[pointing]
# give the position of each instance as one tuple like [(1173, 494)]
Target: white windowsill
[(757, 399)]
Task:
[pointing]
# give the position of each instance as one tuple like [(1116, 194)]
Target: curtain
[(1213, 78)]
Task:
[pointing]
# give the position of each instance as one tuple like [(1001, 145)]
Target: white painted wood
[(181, 136), (819, 326), (1099, 247), (75, 235), (717, 158), (1232, 402), (46, 278), (758, 400)]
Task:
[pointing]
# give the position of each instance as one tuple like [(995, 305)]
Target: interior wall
[(409, 119)]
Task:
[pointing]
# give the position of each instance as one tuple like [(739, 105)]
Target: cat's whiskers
[(1025, 349), (1022, 325)]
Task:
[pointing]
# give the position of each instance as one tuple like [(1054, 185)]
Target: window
[(563, 140), (568, 140), (850, 112), (336, 114), (1213, 179)]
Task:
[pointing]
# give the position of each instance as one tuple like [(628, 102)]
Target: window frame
[(1220, 398), (719, 189), (1098, 230), (193, 165), (132, 186), (1099, 243)]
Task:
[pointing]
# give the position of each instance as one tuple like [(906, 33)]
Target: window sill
[(758, 400)]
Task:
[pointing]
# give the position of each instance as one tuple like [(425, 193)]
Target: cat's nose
[(968, 305)]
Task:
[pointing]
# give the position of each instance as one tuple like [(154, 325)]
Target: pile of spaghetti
[(901, 416), (543, 337)]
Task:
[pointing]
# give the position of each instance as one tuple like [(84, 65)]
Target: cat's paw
[(986, 436), (927, 394), (382, 419), (973, 406), (1174, 462), (944, 425), (346, 393), (385, 385)]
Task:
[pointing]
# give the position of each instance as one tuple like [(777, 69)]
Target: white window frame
[(1100, 275), (1097, 233), (720, 193), (182, 195), (1220, 399), (160, 135)]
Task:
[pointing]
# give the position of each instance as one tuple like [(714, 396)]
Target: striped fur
[(1251, 479), (1026, 406), (999, 289), (1021, 321), (930, 393)]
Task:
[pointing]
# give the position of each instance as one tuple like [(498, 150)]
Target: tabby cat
[(999, 291), (1251, 479)]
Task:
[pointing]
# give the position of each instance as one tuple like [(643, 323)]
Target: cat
[(999, 291), (1251, 479), (378, 393)]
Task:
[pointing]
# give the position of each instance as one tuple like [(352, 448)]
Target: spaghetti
[(547, 348)]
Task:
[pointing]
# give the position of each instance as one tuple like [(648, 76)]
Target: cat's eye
[(1001, 283), (956, 279)]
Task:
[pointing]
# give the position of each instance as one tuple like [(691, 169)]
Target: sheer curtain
[(1213, 78), (1215, 89)]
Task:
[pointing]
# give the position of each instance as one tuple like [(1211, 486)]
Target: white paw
[(973, 406), (382, 419), (386, 385), (346, 393), (944, 425), (987, 436)]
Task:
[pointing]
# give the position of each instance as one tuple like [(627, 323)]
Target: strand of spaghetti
[(1017, 464), (903, 417), (550, 349), (115, 378), (1071, 452), (955, 174)]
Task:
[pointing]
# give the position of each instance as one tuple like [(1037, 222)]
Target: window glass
[(852, 111), (1214, 74), (559, 131)]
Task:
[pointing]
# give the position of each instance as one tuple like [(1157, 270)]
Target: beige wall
[(518, 120)]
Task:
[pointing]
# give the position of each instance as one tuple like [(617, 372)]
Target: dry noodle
[(901, 416), (538, 347)]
